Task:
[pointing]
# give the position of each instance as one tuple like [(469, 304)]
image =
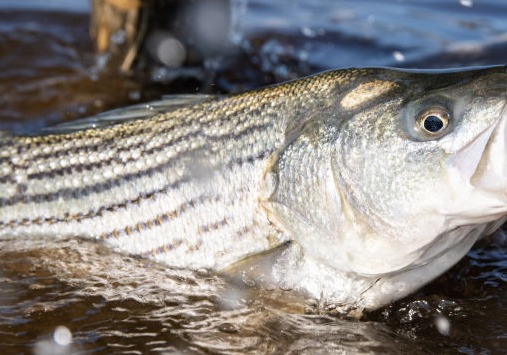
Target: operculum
[(305, 202)]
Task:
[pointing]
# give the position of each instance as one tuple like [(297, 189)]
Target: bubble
[(398, 56), (443, 325), (62, 336), (308, 32), (59, 345), (119, 37), (135, 95), (466, 3), (499, 237), (166, 49)]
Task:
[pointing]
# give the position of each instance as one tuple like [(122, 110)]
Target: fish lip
[(478, 179), (488, 159), (484, 140)]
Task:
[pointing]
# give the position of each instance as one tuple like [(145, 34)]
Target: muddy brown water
[(112, 303)]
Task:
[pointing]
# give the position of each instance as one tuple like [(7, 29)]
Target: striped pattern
[(182, 187)]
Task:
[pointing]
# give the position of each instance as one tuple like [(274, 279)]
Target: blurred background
[(65, 59)]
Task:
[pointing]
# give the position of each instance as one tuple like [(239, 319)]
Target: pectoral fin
[(268, 270)]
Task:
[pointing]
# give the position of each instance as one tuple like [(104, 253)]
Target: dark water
[(111, 303)]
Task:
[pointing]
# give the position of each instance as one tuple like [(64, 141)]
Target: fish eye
[(433, 121)]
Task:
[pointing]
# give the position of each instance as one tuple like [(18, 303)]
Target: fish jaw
[(491, 173), (292, 268), (479, 174), (391, 287)]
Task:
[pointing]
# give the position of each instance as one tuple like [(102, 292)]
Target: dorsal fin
[(125, 114)]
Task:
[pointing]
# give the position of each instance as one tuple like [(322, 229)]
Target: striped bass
[(357, 186)]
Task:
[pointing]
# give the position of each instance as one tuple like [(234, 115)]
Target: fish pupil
[(433, 123)]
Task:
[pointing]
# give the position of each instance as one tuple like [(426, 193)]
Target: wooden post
[(117, 29)]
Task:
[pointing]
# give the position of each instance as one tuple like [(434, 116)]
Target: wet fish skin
[(181, 187), (324, 185)]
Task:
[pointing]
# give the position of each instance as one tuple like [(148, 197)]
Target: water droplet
[(443, 325), (135, 95), (119, 37), (62, 336), (308, 32), (229, 328), (166, 49), (398, 56), (466, 3)]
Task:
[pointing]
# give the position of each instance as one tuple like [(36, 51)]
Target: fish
[(356, 186)]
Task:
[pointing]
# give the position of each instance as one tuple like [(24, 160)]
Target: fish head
[(420, 166), (393, 180)]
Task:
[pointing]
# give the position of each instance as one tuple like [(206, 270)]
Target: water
[(112, 303)]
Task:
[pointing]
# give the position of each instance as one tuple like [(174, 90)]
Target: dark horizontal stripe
[(64, 153), (77, 193), (9, 142), (96, 148), (163, 248), (7, 179), (100, 164), (157, 220), (210, 227), (98, 212), (74, 194), (135, 128), (77, 217), (147, 127), (249, 159), (59, 140), (154, 150), (240, 233), (203, 229)]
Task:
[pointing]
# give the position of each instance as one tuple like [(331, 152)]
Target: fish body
[(355, 185)]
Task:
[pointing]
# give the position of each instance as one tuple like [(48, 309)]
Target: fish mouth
[(490, 175), (478, 174)]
